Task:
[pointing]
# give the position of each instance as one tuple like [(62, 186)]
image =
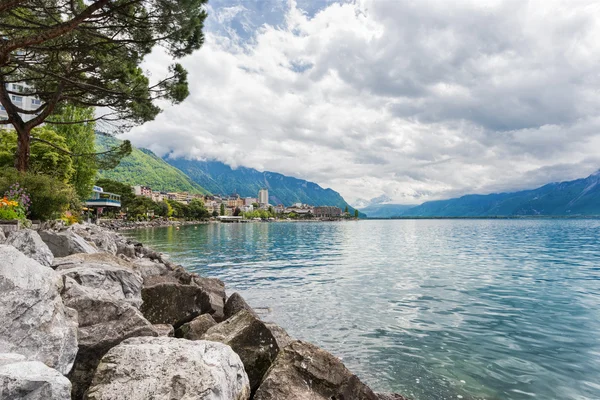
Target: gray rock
[(35, 322), (31, 244), (148, 268), (173, 303), (116, 281), (169, 369), (216, 292), (127, 250), (251, 340), (31, 380), (104, 322), (65, 243), (194, 329), (2, 236), (302, 371), (164, 330), (280, 335), (390, 396), (236, 303), (103, 239)]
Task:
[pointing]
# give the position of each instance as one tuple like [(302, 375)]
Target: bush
[(50, 197)]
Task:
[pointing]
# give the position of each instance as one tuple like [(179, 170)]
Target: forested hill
[(143, 167), (580, 197), (220, 178)]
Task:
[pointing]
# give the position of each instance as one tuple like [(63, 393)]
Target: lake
[(432, 309)]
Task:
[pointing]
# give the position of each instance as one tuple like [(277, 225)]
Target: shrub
[(50, 197)]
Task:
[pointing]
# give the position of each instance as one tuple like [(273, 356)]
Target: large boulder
[(280, 335), (31, 244), (174, 303), (35, 322), (194, 329), (303, 371), (31, 380), (104, 322), (65, 243), (107, 275), (215, 288), (125, 249), (103, 239), (390, 396), (236, 303), (2, 236), (169, 369), (250, 338)]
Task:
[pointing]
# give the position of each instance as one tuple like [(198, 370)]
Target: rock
[(194, 329), (251, 340), (236, 303), (127, 250), (35, 322), (103, 239), (104, 322), (31, 380), (148, 268), (390, 396), (173, 303), (164, 330), (2, 236), (65, 243), (280, 335), (302, 371), (169, 369), (216, 292), (116, 281), (31, 244)]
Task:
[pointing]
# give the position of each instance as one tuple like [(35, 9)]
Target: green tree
[(355, 213), (43, 158), (88, 53), (222, 209), (215, 214), (346, 210), (197, 210)]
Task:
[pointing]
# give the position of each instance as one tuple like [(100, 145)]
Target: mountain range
[(571, 198), (143, 167)]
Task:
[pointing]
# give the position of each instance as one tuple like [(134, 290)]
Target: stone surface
[(65, 243), (280, 335), (194, 329), (2, 236), (34, 320), (116, 281), (216, 292), (251, 340), (390, 396), (302, 371), (103, 239), (164, 330), (169, 369), (104, 322), (127, 250), (31, 380), (236, 303), (173, 303), (31, 244)]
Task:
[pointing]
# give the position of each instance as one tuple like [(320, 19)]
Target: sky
[(408, 100)]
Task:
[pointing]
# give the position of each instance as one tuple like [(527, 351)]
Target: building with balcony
[(327, 212), (100, 199)]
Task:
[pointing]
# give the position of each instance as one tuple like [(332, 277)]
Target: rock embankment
[(89, 315)]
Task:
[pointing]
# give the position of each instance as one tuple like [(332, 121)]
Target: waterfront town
[(231, 206)]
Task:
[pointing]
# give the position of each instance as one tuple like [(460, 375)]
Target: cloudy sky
[(415, 100)]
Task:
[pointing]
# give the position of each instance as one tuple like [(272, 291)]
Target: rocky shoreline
[(88, 314)]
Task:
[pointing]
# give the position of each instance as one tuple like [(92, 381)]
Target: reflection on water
[(434, 309)]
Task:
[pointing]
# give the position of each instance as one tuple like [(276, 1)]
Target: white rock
[(31, 380), (65, 243), (31, 244), (170, 369), (35, 322)]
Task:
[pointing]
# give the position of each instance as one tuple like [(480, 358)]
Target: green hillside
[(143, 167)]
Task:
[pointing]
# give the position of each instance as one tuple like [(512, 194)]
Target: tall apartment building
[(263, 197), (28, 103)]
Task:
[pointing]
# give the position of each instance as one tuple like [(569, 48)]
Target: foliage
[(44, 159), (222, 209), (142, 167), (88, 53), (262, 214), (49, 197), (356, 214)]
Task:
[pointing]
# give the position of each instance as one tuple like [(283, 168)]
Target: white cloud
[(415, 100)]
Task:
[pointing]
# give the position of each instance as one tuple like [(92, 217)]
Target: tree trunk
[(23, 146)]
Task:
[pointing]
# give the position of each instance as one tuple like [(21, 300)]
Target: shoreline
[(127, 301)]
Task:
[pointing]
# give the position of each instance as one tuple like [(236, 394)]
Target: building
[(327, 212), (263, 197), (248, 201), (100, 199), (28, 103), (145, 191)]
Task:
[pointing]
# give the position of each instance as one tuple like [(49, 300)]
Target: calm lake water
[(433, 309)]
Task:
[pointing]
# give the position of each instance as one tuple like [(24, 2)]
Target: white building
[(263, 197), (28, 103)]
